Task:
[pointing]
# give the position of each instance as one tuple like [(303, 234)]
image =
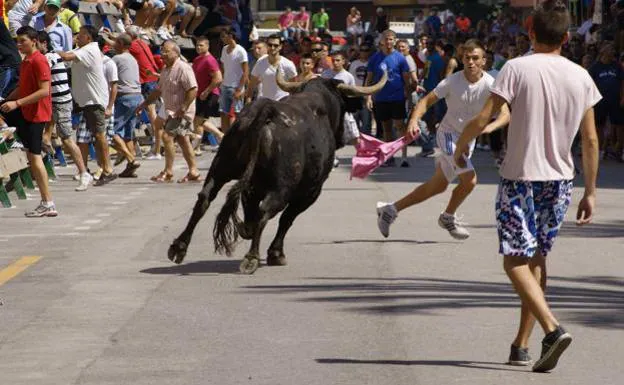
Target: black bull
[(281, 153)]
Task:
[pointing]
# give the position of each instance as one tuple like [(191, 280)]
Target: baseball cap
[(56, 3)]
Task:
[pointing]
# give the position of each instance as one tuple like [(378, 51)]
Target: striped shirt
[(60, 81)]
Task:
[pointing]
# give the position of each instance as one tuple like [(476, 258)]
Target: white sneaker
[(164, 34), (386, 214), (85, 181), (453, 226), (154, 157), (42, 210), (119, 26), (336, 162)]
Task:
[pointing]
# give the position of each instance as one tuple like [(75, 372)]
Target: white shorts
[(447, 142)]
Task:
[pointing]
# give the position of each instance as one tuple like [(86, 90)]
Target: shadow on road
[(228, 266), (421, 170), (591, 301), (461, 364), (349, 241), (613, 229)]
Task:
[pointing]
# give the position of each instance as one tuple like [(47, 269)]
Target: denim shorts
[(530, 214), (227, 102), (148, 88), (8, 80), (125, 115)]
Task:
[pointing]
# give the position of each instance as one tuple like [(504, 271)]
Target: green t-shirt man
[(320, 20)]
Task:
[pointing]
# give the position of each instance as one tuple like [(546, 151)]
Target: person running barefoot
[(465, 93), (551, 97)]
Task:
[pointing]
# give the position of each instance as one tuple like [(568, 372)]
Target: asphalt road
[(104, 306)]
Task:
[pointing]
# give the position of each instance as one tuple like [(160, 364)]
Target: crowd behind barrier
[(214, 49)]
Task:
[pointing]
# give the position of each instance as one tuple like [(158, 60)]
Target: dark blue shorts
[(147, 88)]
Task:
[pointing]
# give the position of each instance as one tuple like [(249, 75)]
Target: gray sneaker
[(519, 356), (553, 345), (453, 226), (105, 179), (386, 214), (42, 211)]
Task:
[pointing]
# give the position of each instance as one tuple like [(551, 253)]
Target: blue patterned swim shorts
[(529, 215)]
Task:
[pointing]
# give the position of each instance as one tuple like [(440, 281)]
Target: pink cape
[(372, 153)]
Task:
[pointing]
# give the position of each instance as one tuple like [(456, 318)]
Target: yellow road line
[(17, 267)]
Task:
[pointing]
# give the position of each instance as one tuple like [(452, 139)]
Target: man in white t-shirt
[(265, 69), (235, 78), (404, 48), (358, 70), (90, 91), (419, 24), (465, 93), (338, 72), (550, 97)]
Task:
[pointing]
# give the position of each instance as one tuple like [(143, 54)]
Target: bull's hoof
[(249, 265), (177, 251), (246, 230), (276, 258)]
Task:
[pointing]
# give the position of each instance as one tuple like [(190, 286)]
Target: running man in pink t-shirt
[(550, 97)]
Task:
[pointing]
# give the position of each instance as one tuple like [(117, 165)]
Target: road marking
[(120, 203), (136, 193), (92, 221), (102, 215), (82, 228), (4, 240), (143, 188), (111, 208), (40, 235), (16, 267)]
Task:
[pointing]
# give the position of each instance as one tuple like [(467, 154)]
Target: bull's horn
[(285, 85), (361, 90)]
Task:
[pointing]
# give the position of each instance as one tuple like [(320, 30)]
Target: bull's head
[(346, 90)]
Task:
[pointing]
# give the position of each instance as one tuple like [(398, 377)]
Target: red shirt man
[(462, 23), (29, 108), (144, 57), (35, 69), (204, 66)]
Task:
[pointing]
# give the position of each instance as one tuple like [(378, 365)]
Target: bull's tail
[(225, 232)]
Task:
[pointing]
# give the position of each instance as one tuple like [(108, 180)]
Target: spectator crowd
[(59, 75)]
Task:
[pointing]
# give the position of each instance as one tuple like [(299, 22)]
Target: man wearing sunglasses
[(263, 73)]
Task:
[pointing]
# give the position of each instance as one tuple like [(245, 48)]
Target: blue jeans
[(227, 103), (125, 115), (364, 117), (9, 77), (426, 139), (287, 33)]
